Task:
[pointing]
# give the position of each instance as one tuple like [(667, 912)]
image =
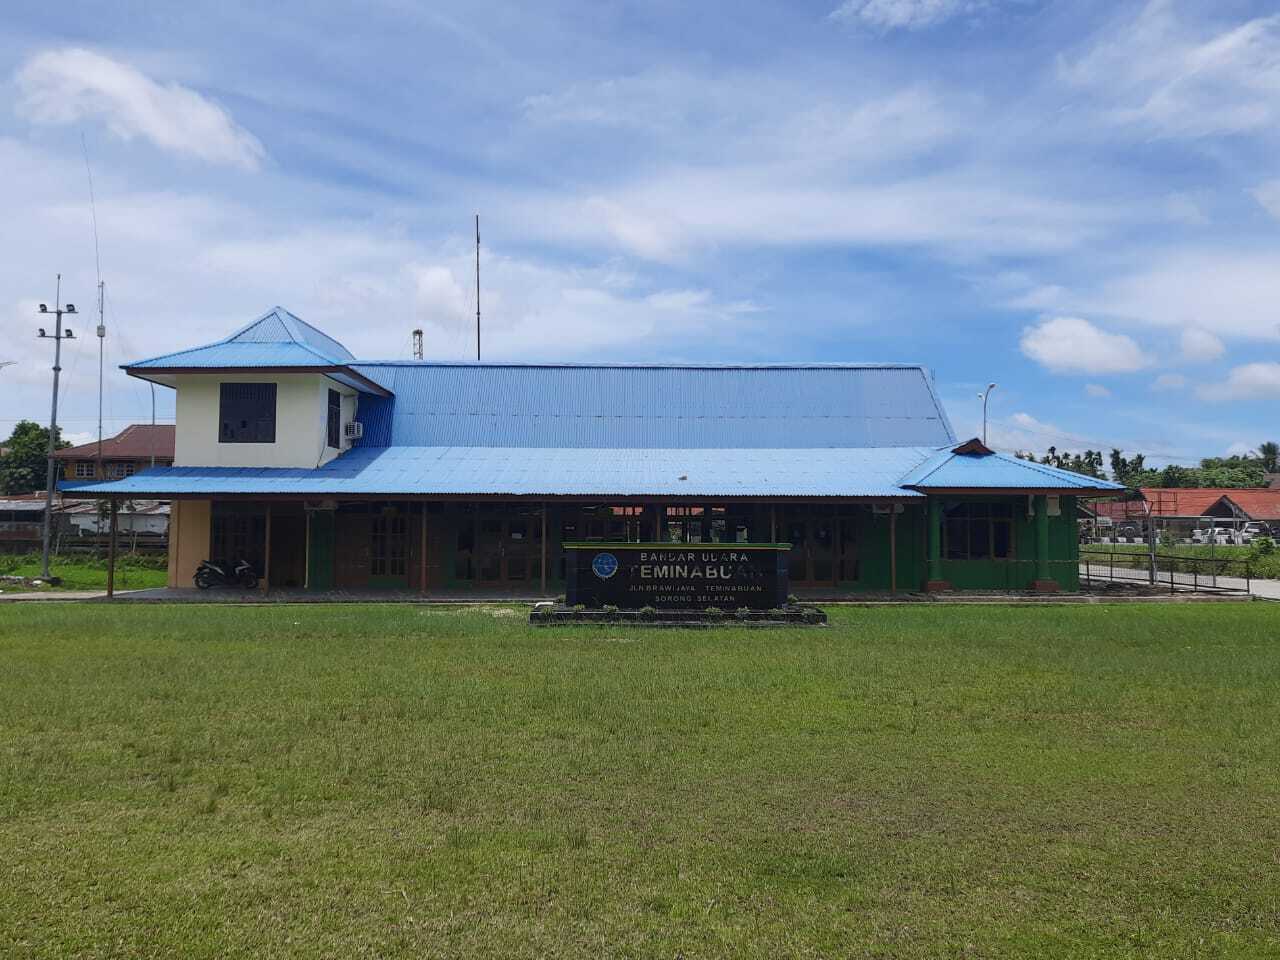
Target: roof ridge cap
[(290, 323)]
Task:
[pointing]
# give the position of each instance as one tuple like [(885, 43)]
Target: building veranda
[(326, 472)]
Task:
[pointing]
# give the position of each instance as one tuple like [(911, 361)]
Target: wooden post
[(422, 584), (934, 540), (657, 523), (307, 516), (1043, 583), (773, 523), (544, 550), (111, 551), (266, 555), (893, 548)]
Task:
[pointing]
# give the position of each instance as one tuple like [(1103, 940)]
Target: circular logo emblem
[(604, 566)]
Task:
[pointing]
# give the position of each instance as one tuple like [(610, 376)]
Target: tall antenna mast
[(417, 344), (97, 266), (102, 335), (477, 287)]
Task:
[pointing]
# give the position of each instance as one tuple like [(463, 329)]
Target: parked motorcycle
[(237, 574)]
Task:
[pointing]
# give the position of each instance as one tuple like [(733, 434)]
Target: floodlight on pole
[(984, 396)]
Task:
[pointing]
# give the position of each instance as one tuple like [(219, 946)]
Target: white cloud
[(1231, 290), (738, 169), (68, 85), (1096, 390), (1250, 381), (1169, 381), (1268, 196), (965, 214), (902, 14), (1160, 76), (1240, 449), (1074, 345), (1022, 431), (540, 311), (1201, 345)]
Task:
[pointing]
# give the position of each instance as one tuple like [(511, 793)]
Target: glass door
[(489, 546), (389, 550), (522, 548), (815, 537)]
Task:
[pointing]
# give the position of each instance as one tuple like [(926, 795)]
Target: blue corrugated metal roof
[(277, 338), (547, 471), (946, 469), (651, 407), (248, 355)]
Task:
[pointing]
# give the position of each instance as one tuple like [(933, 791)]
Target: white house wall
[(301, 410)]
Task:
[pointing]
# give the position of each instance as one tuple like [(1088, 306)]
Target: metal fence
[(1167, 570)]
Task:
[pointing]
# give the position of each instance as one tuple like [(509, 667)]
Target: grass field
[(133, 571), (401, 781)]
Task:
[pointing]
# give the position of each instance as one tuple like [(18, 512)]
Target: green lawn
[(133, 571), (405, 781)]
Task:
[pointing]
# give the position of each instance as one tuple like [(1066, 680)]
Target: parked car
[(1253, 530), (1216, 534)]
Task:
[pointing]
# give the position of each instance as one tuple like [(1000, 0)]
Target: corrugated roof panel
[(269, 328), (547, 471), (647, 407), (948, 470), (247, 354), (277, 338)]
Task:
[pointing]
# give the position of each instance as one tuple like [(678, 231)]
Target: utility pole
[(477, 287), (57, 337)]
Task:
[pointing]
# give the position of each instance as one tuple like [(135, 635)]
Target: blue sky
[(1078, 200)]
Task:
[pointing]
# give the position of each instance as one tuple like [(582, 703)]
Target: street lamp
[(57, 337), (984, 396)]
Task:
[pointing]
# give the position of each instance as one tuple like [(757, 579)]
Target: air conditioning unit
[(353, 430)]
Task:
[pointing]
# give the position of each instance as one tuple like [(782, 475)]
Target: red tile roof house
[(132, 450), (1184, 508), (1252, 504), (1168, 504)]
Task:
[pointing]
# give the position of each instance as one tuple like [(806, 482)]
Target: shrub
[(648, 611), (610, 608), (579, 607), (714, 610)]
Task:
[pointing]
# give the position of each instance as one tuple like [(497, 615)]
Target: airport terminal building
[(331, 473)]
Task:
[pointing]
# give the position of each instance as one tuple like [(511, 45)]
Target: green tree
[(1132, 471), (1088, 463), (1269, 454), (25, 462)]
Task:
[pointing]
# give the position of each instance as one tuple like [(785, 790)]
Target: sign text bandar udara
[(665, 575)]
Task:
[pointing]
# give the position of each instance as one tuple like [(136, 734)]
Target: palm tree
[(1269, 454)]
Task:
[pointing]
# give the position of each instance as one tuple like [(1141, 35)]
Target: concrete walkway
[(1266, 589), (63, 595)]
